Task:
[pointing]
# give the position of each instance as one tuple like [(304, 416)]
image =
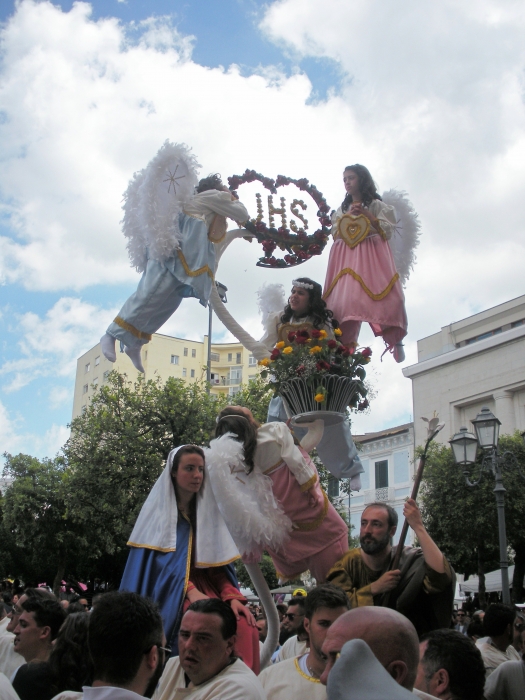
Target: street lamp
[(221, 289), (464, 448)]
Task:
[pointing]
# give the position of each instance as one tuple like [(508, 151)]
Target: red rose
[(346, 352), (316, 333), (275, 354), (300, 370), (291, 336), (364, 404), (332, 344), (322, 365), (366, 352)]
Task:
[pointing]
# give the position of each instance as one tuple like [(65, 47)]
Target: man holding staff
[(422, 588)]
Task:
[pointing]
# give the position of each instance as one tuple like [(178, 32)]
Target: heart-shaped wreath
[(298, 245)]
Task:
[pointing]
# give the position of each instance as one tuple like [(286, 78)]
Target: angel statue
[(370, 260), (177, 231)]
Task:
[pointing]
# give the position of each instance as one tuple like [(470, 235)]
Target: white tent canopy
[(492, 582)]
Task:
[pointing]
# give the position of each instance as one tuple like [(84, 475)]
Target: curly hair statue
[(321, 315), (212, 182), (367, 186)]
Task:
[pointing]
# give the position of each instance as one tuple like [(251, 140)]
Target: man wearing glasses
[(293, 623), (462, 623)]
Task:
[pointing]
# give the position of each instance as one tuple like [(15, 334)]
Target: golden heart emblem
[(353, 229)]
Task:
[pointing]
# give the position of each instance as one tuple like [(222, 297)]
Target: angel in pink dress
[(362, 282)]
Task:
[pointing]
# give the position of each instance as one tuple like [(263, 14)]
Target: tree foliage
[(463, 519)]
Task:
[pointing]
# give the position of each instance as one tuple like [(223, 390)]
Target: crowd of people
[(328, 647)]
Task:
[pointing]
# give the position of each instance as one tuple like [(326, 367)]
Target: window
[(83, 409), (252, 362), (106, 374), (87, 367), (233, 390), (235, 375), (97, 360), (95, 381), (85, 389), (381, 474), (515, 324), (194, 353), (185, 352), (215, 357), (239, 360), (174, 359), (230, 357), (192, 373), (184, 371)]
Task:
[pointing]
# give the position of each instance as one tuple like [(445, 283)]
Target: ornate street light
[(464, 448)]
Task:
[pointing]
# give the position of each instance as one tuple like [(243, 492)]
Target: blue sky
[(430, 99)]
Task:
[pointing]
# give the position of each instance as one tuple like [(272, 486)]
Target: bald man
[(391, 637)]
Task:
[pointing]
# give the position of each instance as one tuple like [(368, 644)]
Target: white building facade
[(478, 361), (388, 461)]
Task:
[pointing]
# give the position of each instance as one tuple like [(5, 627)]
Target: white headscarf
[(156, 526)]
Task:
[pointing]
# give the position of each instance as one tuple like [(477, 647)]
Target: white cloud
[(433, 105), (14, 438)]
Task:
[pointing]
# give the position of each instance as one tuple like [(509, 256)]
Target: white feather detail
[(271, 300), (405, 237), (253, 515), (153, 200)]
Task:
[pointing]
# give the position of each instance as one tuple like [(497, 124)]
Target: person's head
[(450, 666), (69, 661), (16, 610), (475, 630), (262, 625), (125, 640), (293, 621), (390, 635), (306, 299), (323, 605), (358, 185), (239, 411), (498, 622), (212, 182), (37, 627), (461, 616), (518, 628), (243, 431), (187, 471), (378, 526), (206, 639), (282, 608)]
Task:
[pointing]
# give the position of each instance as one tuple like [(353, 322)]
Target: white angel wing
[(271, 300), (405, 237), (252, 514), (153, 201)]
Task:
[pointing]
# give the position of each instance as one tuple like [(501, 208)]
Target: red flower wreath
[(298, 246)]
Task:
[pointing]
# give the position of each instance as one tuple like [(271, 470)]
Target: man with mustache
[(422, 588)]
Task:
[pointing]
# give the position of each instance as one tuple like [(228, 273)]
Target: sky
[(429, 96)]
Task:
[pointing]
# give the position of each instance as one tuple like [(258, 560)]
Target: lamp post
[(222, 293), (464, 447)]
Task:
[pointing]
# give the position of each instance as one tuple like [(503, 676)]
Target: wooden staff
[(415, 491)]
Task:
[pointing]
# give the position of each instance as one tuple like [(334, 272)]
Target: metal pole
[(208, 369), (499, 490)]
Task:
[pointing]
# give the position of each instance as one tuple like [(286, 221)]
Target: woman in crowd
[(181, 551), (362, 283)]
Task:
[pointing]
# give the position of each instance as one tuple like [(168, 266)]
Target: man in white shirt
[(206, 667), (298, 678), (125, 640), (498, 624), (293, 623)]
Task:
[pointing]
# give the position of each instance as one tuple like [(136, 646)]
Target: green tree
[(463, 520), (43, 539), (256, 395), (268, 571)]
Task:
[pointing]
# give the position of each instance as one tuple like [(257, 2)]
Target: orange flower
[(319, 398), (280, 344)]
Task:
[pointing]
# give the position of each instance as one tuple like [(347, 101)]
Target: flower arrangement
[(314, 357), (294, 241)]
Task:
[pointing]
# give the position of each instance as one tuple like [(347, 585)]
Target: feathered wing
[(254, 517), (405, 238), (271, 300), (153, 200)]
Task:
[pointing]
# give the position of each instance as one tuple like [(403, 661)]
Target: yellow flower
[(287, 350), (280, 344), (315, 349), (323, 334), (319, 398), (264, 362), (338, 332)]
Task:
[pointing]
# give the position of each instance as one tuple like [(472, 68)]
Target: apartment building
[(165, 356)]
